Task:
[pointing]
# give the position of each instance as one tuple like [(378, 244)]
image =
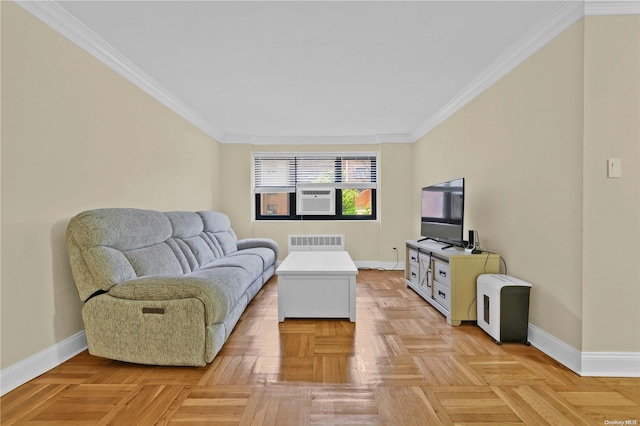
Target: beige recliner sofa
[(163, 288)]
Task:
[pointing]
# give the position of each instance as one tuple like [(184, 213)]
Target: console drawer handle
[(441, 294), (442, 273)]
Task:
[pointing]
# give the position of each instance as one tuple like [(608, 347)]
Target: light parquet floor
[(399, 364)]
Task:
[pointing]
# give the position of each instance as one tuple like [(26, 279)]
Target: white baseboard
[(386, 266), (565, 354), (611, 364), (600, 364), (30, 368)]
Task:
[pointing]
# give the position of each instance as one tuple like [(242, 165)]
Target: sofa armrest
[(166, 288), (259, 242)]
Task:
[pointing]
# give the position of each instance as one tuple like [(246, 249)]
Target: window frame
[(339, 186)]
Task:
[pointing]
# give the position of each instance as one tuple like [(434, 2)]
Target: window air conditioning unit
[(318, 201)]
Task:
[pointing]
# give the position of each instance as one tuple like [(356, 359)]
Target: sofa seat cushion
[(219, 289), (267, 255), (251, 263)]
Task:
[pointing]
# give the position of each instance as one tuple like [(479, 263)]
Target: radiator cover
[(319, 242)]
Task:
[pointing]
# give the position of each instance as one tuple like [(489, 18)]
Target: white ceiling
[(305, 71)]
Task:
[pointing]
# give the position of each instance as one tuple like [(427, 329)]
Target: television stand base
[(427, 238), (444, 247)]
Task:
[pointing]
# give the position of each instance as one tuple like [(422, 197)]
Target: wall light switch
[(614, 168)]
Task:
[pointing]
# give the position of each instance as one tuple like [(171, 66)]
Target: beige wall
[(366, 240), (75, 136), (519, 147), (612, 206), (533, 149), (397, 223)]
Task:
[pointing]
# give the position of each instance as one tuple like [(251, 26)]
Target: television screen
[(442, 211)]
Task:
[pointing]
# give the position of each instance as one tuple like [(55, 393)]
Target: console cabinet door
[(426, 276)]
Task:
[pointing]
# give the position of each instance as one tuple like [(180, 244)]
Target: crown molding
[(612, 7), (395, 138), (315, 140), (557, 21), (52, 14), (567, 13), (318, 140)]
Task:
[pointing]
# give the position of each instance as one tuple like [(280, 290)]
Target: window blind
[(274, 174), (277, 172)]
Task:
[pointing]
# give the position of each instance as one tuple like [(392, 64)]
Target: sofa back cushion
[(218, 227), (110, 246), (121, 229)]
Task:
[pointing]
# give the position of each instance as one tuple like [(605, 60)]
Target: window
[(351, 176)]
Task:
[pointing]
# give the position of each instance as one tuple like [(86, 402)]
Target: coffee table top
[(314, 262)]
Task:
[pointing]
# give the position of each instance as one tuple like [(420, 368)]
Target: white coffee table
[(317, 284)]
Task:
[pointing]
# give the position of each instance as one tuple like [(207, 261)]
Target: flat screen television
[(442, 213)]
